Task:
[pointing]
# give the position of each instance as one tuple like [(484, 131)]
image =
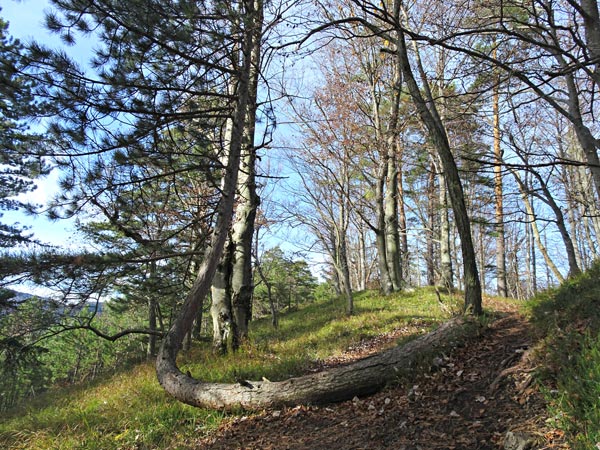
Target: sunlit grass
[(121, 412), (130, 410), (568, 321)]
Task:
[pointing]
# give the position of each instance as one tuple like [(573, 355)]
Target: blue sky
[(26, 20)]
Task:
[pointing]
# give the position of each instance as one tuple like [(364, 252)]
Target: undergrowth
[(568, 321), (131, 411)]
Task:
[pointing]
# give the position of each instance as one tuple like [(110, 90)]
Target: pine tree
[(20, 161)]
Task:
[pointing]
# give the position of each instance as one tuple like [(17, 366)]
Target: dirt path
[(470, 400)]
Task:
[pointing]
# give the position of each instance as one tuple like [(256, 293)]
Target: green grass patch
[(130, 410), (568, 322)]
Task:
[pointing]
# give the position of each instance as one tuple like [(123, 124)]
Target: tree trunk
[(392, 230), (243, 228), (385, 280), (241, 273), (336, 280), (499, 196), (151, 348), (573, 208), (482, 253), (532, 260), (591, 22), (584, 135), (197, 330), (587, 141), (342, 267), (437, 133), (548, 198), (181, 386), (221, 308), (431, 225), (272, 307), (242, 235), (447, 273), (536, 234), (387, 186), (340, 383), (363, 270), (562, 228), (268, 285), (402, 223)]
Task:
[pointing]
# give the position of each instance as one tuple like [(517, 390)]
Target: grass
[(125, 411), (568, 322), (131, 411)]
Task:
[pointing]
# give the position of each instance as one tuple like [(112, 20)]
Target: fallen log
[(362, 377)]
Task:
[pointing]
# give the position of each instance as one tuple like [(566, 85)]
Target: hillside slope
[(485, 394)]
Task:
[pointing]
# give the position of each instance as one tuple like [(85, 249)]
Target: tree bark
[(447, 272), (548, 198), (269, 286), (344, 274), (362, 265), (151, 348), (338, 384), (532, 263), (562, 228), (152, 316), (499, 196), (241, 273), (586, 139), (437, 133), (387, 183), (402, 221), (591, 22), (169, 376), (243, 228), (431, 225), (341, 242), (385, 280), (220, 308), (536, 234), (392, 230)]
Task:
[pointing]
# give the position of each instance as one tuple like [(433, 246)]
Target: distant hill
[(14, 296), (10, 299)]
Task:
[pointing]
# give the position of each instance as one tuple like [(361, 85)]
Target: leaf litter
[(470, 399)]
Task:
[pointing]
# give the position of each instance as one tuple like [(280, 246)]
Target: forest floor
[(477, 397)]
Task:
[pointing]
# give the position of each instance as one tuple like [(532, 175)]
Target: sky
[(26, 22), (25, 17)]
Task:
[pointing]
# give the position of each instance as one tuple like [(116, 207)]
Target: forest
[(227, 165)]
